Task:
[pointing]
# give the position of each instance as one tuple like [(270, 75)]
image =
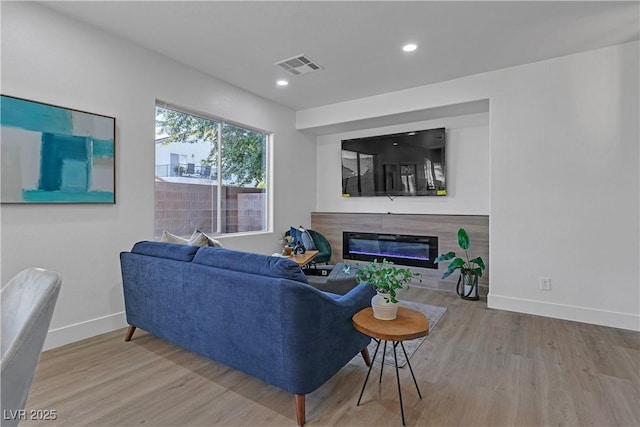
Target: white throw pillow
[(172, 238), (212, 242), (196, 239)]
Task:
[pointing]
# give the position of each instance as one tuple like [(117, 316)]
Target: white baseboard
[(567, 312), (83, 330)]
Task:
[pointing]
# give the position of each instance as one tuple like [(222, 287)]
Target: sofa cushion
[(337, 286), (246, 262), (176, 251)]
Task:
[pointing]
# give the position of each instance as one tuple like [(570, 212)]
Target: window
[(210, 175)]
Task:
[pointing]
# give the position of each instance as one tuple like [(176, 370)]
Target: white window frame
[(269, 138)]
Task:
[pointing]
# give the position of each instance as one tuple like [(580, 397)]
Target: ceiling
[(357, 43)]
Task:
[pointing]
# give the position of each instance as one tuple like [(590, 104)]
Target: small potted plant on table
[(386, 278), (470, 269)]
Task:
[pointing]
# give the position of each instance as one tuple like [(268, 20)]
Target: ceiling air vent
[(299, 65)]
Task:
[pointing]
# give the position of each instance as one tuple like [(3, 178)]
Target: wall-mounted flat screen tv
[(402, 164)]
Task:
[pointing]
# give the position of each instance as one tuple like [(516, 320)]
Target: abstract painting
[(53, 154)]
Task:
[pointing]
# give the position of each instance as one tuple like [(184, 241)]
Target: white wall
[(49, 58), (564, 180), (467, 171)]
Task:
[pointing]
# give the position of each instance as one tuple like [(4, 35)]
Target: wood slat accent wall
[(445, 227)]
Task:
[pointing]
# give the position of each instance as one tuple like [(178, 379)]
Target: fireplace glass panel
[(385, 248), (419, 251)]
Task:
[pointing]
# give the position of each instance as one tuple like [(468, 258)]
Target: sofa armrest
[(356, 297), (319, 336)]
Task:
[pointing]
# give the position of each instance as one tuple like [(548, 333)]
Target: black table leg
[(384, 353), (395, 358), (411, 369), (369, 371)]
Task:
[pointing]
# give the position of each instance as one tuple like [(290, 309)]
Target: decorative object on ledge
[(385, 278), (53, 154), (299, 249), (470, 269), (287, 241)]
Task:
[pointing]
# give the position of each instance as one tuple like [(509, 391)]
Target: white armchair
[(28, 300)]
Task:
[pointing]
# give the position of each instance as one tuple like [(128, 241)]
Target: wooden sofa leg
[(130, 332), (300, 411), (366, 357)]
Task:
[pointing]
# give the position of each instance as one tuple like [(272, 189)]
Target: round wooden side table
[(408, 325)]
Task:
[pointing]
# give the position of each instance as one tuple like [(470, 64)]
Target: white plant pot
[(382, 309), (471, 291), (467, 287)]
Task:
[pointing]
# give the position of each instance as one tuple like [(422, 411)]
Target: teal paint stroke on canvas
[(34, 116), (103, 148), (36, 196), (64, 159)]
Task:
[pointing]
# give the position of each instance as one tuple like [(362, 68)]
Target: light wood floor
[(478, 367)]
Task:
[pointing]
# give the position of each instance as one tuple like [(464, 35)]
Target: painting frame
[(55, 155)]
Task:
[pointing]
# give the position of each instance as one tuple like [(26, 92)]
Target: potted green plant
[(385, 278), (470, 269)]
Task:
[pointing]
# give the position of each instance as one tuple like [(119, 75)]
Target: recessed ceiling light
[(409, 47), (282, 82), (411, 133)]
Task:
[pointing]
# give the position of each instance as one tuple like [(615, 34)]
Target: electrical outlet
[(545, 283)]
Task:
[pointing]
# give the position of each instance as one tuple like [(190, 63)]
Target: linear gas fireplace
[(417, 251)]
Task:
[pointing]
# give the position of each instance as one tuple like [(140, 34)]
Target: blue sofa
[(251, 312)]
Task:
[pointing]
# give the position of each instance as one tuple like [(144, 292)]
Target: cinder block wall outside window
[(181, 208)]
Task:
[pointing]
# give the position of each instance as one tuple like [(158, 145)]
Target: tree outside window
[(190, 193)]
